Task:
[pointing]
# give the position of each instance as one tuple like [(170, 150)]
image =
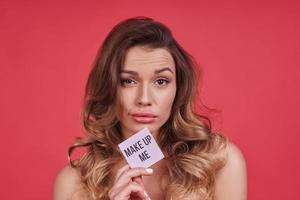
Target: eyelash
[(123, 81), (166, 81)]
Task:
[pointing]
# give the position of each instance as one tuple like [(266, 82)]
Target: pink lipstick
[(144, 117)]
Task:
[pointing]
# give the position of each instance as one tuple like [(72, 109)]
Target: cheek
[(125, 101), (167, 101)]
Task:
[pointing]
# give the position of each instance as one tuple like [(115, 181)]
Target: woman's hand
[(129, 184)]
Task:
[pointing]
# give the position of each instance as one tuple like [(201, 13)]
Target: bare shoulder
[(231, 181), (68, 184)]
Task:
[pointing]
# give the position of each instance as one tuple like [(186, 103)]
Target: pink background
[(249, 51)]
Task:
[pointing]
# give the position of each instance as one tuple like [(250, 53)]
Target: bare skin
[(231, 181), (128, 183), (149, 85), (148, 180)]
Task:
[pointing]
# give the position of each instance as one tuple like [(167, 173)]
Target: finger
[(121, 170), (132, 187), (117, 186), (139, 180), (127, 176)]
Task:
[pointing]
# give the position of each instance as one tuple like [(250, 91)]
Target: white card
[(141, 150)]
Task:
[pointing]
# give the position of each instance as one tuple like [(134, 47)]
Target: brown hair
[(190, 146)]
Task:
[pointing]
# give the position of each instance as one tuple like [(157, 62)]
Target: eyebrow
[(155, 72)]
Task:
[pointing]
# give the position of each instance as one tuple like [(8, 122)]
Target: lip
[(143, 117)]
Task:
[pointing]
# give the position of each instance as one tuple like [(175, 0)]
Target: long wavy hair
[(192, 150)]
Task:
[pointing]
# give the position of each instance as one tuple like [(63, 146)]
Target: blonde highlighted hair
[(191, 148)]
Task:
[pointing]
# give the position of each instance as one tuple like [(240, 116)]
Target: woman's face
[(147, 90)]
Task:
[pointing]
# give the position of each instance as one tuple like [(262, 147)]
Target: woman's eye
[(162, 82), (127, 82)]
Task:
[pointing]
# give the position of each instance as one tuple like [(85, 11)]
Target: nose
[(144, 96)]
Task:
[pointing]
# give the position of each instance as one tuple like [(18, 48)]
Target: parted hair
[(193, 152)]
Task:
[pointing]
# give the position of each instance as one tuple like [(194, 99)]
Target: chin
[(152, 128)]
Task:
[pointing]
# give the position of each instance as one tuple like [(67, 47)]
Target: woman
[(143, 78)]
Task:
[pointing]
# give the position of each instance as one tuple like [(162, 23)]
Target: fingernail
[(149, 170)]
